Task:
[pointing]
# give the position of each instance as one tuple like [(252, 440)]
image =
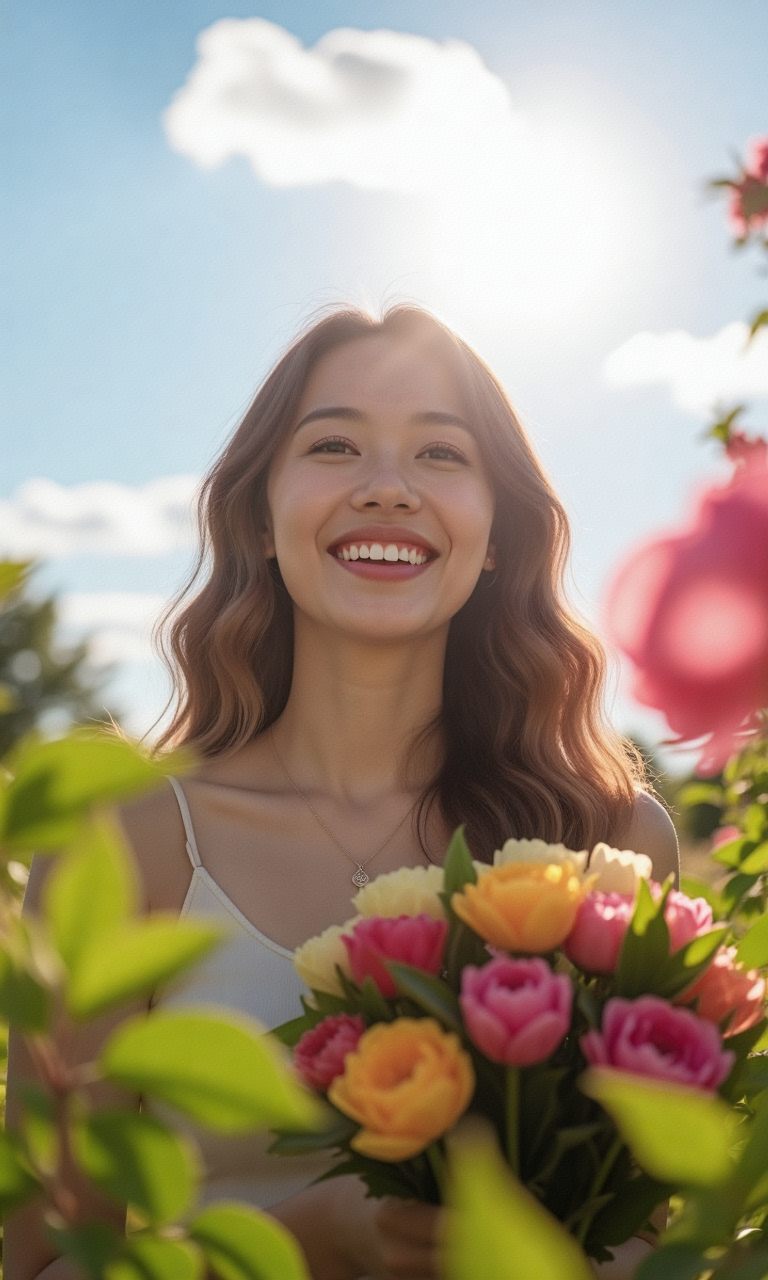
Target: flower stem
[(598, 1182), (513, 1118), (436, 1160)]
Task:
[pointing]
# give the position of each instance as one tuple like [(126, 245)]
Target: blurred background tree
[(44, 685)]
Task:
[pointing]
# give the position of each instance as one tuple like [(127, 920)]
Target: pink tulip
[(515, 1011), (726, 988), (687, 918), (649, 1037), (319, 1054), (415, 940), (595, 940), (691, 611)]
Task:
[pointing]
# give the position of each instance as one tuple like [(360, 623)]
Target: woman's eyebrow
[(430, 417)]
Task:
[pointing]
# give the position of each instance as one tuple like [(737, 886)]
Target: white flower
[(316, 960), (539, 851), (411, 891), (618, 870)]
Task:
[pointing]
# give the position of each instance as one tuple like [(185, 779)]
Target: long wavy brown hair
[(527, 750)]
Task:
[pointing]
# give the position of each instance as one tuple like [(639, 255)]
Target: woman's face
[(379, 506)]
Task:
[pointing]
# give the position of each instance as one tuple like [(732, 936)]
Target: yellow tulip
[(411, 891), (316, 960), (528, 907), (406, 1083)]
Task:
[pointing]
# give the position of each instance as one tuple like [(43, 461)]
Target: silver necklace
[(360, 877)]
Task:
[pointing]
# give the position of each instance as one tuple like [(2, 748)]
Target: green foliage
[(244, 1245), (138, 1162)]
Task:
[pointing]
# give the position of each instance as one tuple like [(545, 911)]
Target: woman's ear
[(489, 562), (268, 539)]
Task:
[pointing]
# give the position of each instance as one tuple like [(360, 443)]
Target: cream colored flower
[(618, 870), (538, 851), (316, 961), (411, 891)]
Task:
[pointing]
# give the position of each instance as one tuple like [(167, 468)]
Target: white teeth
[(402, 554), (365, 552), (354, 554), (377, 551), (413, 556), (391, 552), (345, 554)]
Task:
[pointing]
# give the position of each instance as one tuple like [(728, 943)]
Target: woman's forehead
[(380, 372)]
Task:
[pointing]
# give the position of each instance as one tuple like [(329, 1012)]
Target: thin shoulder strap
[(186, 818)]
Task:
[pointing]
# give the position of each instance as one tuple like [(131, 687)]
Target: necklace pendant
[(360, 878)]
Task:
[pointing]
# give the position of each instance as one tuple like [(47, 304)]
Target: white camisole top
[(251, 974)]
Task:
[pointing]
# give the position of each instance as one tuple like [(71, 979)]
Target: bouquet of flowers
[(492, 990)]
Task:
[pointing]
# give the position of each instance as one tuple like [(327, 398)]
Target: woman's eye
[(443, 452), (333, 444)]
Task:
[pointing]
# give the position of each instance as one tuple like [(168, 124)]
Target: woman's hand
[(346, 1235)]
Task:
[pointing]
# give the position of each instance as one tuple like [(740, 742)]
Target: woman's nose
[(386, 486)]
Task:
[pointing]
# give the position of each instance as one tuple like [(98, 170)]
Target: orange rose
[(406, 1083), (520, 906)]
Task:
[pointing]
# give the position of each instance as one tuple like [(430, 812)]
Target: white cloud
[(117, 624), (699, 372), (382, 110), (46, 519)]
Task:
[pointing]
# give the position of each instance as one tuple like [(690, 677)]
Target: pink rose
[(319, 1054), (687, 918), (515, 1011), (726, 988), (415, 940), (649, 1037), (748, 205), (595, 940), (691, 611)]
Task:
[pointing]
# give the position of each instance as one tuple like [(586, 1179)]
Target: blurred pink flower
[(415, 940), (649, 1037), (723, 835), (725, 987), (687, 918), (319, 1054), (595, 940), (691, 611), (748, 204), (515, 1011)]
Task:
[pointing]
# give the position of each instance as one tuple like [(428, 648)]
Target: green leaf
[(98, 871), (24, 1002), (646, 1112), (695, 887), (17, 1183), (243, 1244), (55, 784), (645, 949), (138, 1161), (335, 1133), (458, 868), (429, 993), (759, 321), (148, 1257), (630, 1208), (39, 1127), (678, 1261), (223, 1072), (686, 966), (134, 959), (701, 793), (752, 1165), (13, 574), (757, 861), (496, 1229), (752, 951), (91, 1246)]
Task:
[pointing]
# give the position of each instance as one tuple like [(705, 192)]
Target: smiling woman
[(379, 651)]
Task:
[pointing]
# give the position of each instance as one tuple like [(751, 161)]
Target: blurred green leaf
[(134, 959), (243, 1244), (99, 871), (17, 1183), (13, 574), (336, 1132), (147, 1257), (701, 793), (91, 1246), (694, 887), (496, 1229), (752, 951), (646, 1112), (757, 861), (458, 868), (678, 1261), (752, 1167), (39, 1127), (760, 320), (686, 966), (222, 1072), (56, 783), (645, 948), (138, 1161), (24, 1001), (8, 700)]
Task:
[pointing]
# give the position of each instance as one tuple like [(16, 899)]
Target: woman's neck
[(354, 711)]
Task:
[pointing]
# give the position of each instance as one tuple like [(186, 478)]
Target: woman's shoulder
[(154, 830), (650, 830)]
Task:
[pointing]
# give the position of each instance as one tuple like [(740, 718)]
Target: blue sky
[(145, 294)]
